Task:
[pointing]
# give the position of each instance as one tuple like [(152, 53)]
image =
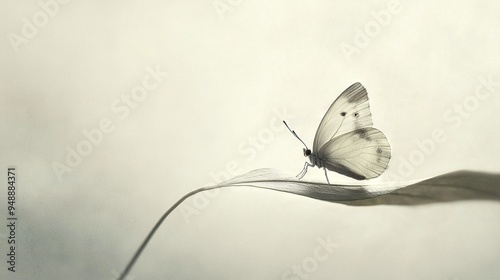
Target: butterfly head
[(307, 152)]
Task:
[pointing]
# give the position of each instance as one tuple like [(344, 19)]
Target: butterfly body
[(315, 159), (346, 142)]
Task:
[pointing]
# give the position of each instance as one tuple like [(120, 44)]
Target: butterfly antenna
[(295, 134)]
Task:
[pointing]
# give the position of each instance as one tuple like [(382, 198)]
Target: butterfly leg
[(326, 175), (304, 170)]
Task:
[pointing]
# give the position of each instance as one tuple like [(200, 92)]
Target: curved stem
[(157, 225)]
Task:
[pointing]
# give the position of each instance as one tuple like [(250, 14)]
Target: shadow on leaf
[(455, 186)]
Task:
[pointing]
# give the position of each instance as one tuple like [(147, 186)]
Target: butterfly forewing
[(350, 111), (361, 154)]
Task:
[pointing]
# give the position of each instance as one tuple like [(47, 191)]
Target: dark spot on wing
[(363, 133), (343, 114), (379, 150), (356, 114)]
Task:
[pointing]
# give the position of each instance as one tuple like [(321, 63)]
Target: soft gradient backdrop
[(235, 69)]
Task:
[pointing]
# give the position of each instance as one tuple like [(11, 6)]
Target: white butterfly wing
[(360, 154), (350, 111)]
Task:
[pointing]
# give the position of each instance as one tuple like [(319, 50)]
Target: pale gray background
[(227, 77)]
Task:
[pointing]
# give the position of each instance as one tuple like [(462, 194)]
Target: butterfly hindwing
[(361, 154), (350, 111)]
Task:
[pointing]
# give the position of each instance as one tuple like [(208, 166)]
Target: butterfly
[(346, 142)]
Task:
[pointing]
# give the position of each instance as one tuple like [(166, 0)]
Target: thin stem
[(157, 225)]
